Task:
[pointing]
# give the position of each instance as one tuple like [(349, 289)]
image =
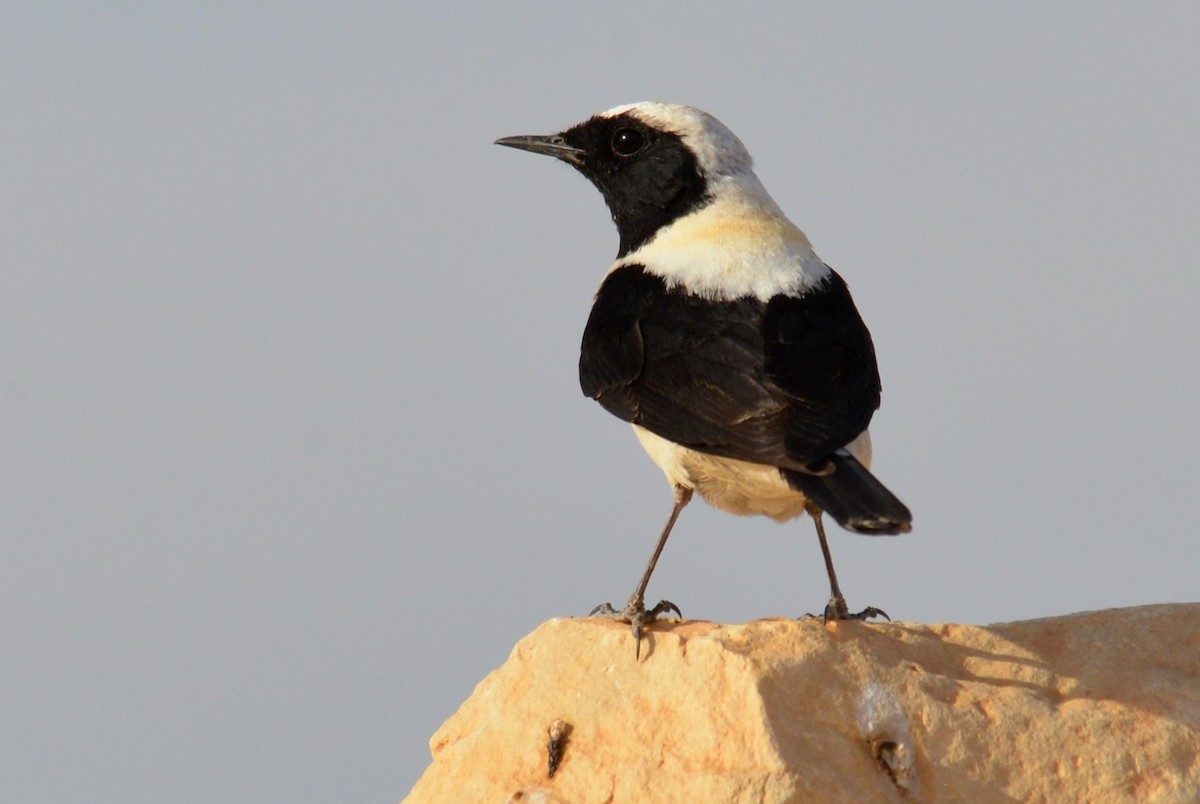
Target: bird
[(735, 352)]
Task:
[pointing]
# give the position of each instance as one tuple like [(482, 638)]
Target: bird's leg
[(635, 612), (836, 608)]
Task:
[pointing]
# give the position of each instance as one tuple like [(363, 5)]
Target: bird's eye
[(628, 141)]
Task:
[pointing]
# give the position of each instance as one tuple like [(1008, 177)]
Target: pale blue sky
[(293, 446)]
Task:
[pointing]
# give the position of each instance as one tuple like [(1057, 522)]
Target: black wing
[(783, 382)]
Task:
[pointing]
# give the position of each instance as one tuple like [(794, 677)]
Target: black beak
[(553, 145)]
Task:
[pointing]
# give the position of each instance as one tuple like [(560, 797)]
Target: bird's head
[(653, 162)]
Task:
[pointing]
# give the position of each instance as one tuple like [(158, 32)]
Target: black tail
[(851, 495)]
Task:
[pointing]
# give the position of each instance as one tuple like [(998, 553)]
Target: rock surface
[(1099, 706)]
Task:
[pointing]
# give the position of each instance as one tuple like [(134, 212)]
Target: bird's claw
[(868, 613), (836, 609), (663, 607), (636, 614)]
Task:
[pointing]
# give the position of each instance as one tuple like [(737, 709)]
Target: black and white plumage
[(736, 353)]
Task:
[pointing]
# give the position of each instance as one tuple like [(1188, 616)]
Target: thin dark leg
[(836, 608), (635, 612), (682, 497)]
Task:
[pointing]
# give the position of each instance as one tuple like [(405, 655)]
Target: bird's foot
[(636, 614), (836, 609)]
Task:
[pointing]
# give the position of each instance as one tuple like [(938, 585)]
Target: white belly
[(735, 486)]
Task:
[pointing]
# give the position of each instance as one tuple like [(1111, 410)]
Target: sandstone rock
[(1100, 706)]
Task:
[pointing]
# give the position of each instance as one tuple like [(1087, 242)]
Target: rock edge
[(1094, 706)]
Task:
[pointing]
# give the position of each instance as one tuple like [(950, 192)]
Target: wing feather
[(783, 382)]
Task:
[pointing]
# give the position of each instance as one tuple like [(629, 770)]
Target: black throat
[(644, 191)]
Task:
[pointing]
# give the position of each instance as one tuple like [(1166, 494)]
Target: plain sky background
[(293, 449)]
